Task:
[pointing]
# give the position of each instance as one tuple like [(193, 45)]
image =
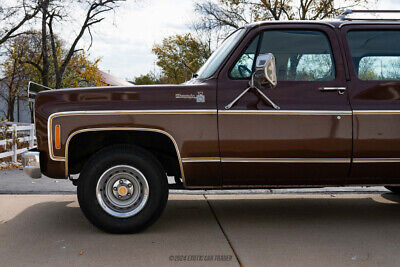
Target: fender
[(124, 129), (139, 123)]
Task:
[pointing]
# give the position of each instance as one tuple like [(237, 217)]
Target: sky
[(125, 38)]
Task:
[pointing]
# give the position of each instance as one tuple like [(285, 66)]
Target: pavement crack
[(223, 231)]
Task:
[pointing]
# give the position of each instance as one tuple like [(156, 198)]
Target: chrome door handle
[(340, 90)]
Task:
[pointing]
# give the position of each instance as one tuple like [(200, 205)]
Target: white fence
[(11, 145)]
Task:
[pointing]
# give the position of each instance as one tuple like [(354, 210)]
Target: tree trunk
[(45, 49), (10, 110), (18, 118), (31, 108), (294, 63), (59, 80)]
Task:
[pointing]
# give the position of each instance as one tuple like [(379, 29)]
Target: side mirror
[(266, 69), (265, 73)]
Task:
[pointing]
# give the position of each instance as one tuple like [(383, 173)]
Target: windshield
[(219, 55)]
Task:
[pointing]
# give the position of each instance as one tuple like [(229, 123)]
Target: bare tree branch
[(236, 13), (11, 13), (93, 16)]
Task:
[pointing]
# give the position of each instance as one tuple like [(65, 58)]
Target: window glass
[(244, 66), (300, 55), (379, 68), (375, 54), (215, 60)]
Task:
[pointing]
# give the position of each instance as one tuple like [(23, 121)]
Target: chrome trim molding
[(116, 112), (289, 22), (201, 159), (124, 129), (376, 112), (376, 160), (375, 23), (287, 112), (332, 88), (266, 160), (287, 160), (140, 112)]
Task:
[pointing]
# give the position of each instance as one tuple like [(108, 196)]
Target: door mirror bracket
[(265, 73)]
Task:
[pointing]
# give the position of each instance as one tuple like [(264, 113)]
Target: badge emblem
[(200, 98)]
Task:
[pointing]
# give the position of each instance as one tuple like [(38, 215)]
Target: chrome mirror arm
[(252, 86), (237, 98), (266, 98)]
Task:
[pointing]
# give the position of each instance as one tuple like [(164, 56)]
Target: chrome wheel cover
[(122, 191)]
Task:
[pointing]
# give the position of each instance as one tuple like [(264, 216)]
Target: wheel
[(394, 189), (122, 189)]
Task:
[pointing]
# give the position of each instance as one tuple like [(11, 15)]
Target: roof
[(330, 23), (113, 80)]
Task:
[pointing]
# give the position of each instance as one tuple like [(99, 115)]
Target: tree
[(236, 13), (55, 12), (23, 63), (180, 56), (13, 15), (146, 79), (82, 72), (79, 72), (12, 83)]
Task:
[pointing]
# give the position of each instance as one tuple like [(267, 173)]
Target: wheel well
[(83, 145)]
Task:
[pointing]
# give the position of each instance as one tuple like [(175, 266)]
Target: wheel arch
[(134, 134)]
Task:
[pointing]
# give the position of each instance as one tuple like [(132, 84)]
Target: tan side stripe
[(200, 159), (268, 160), (288, 160)]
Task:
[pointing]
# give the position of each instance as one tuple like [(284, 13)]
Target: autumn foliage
[(179, 57)]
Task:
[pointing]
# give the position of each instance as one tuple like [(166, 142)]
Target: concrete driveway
[(251, 230)]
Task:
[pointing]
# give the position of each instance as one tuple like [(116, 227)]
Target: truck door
[(308, 141), (373, 55)]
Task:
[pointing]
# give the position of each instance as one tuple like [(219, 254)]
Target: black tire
[(97, 167), (394, 189)]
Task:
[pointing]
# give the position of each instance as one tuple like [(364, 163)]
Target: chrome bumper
[(31, 164)]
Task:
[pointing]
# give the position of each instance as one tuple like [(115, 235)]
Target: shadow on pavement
[(297, 210), (57, 232), (340, 230), (276, 230), (66, 217)]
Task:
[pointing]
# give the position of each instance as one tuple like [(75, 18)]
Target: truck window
[(219, 55), (301, 55), (375, 54), (243, 67)]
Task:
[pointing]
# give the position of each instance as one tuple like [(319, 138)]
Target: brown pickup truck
[(278, 104)]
